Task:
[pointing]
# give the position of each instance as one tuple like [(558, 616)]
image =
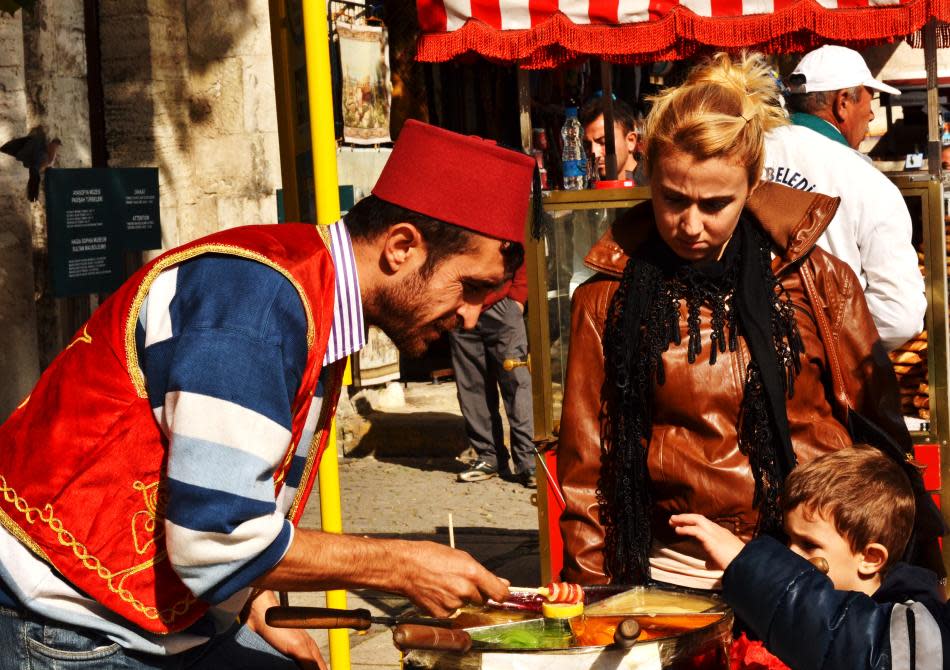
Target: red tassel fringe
[(800, 26)]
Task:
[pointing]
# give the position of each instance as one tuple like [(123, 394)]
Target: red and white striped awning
[(544, 33)]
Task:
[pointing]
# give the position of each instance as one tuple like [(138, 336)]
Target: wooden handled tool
[(627, 633), (408, 636), (326, 617)]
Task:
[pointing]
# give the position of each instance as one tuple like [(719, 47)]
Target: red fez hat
[(460, 179)]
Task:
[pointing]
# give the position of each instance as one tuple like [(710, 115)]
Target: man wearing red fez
[(152, 481)]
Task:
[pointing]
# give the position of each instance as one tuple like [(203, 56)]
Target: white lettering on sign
[(97, 243), (84, 195)]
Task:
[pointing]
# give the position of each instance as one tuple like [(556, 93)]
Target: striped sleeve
[(223, 347)]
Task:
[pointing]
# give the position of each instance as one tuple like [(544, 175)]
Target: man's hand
[(721, 545), (291, 642), (434, 577), (439, 579)]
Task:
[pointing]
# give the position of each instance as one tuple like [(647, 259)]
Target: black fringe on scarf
[(643, 321)]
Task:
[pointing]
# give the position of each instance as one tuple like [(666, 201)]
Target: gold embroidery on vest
[(329, 405), (148, 519), (114, 580), (18, 533), (86, 338), (23, 404), (145, 526), (324, 231), (131, 353)]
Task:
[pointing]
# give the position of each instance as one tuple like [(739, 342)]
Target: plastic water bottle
[(573, 157)]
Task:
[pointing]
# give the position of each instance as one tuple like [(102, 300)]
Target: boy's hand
[(721, 545)]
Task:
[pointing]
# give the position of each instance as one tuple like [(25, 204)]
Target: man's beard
[(396, 311)]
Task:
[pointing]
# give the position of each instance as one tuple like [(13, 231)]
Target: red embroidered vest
[(82, 458)]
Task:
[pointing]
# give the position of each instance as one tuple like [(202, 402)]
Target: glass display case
[(921, 364), (576, 219)]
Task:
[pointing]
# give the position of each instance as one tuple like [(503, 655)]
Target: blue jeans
[(27, 641)]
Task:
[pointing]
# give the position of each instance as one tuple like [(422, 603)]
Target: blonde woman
[(715, 348)]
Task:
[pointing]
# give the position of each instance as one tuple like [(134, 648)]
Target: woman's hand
[(721, 545), (291, 642)]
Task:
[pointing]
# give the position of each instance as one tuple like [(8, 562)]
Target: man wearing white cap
[(834, 85), (830, 104)]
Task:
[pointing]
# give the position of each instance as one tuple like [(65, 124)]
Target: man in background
[(625, 139), (830, 105), (479, 358)]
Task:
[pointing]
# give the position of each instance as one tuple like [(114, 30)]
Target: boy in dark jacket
[(851, 512)]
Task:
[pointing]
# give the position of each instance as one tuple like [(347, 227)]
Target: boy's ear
[(873, 559)]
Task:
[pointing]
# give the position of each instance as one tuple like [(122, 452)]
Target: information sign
[(94, 215)]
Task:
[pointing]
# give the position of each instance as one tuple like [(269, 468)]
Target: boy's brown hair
[(862, 492)]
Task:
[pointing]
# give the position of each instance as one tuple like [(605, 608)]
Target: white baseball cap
[(832, 68)]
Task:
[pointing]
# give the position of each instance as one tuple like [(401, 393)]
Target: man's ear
[(402, 248), (631, 139), (840, 105), (873, 559)]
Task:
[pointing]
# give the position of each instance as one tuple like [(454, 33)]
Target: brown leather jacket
[(694, 462)]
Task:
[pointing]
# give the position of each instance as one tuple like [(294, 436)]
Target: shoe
[(478, 471), (528, 479)]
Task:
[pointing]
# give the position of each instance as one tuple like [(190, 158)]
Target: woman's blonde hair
[(723, 109)]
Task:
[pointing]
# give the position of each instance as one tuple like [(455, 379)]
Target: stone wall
[(189, 88), (42, 83), (19, 359), (54, 54)]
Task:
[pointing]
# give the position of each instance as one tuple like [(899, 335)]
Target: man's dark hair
[(372, 216), (623, 113)]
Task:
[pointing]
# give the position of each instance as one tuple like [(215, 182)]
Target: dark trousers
[(478, 356)]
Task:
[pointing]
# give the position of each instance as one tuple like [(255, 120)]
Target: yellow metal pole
[(320, 89), (327, 194), (331, 521)]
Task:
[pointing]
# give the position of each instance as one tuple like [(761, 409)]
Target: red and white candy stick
[(562, 592)]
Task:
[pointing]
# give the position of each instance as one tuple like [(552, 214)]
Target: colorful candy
[(562, 592)]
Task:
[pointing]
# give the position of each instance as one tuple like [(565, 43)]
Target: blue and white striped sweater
[(222, 369)]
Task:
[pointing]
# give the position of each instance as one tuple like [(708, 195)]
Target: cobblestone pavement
[(411, 498)]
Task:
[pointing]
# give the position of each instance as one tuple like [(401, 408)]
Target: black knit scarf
[(746, 300)]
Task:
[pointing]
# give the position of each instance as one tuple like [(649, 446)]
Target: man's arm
[(895, 286), (222, 341), (222, 347), (434, 577)]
